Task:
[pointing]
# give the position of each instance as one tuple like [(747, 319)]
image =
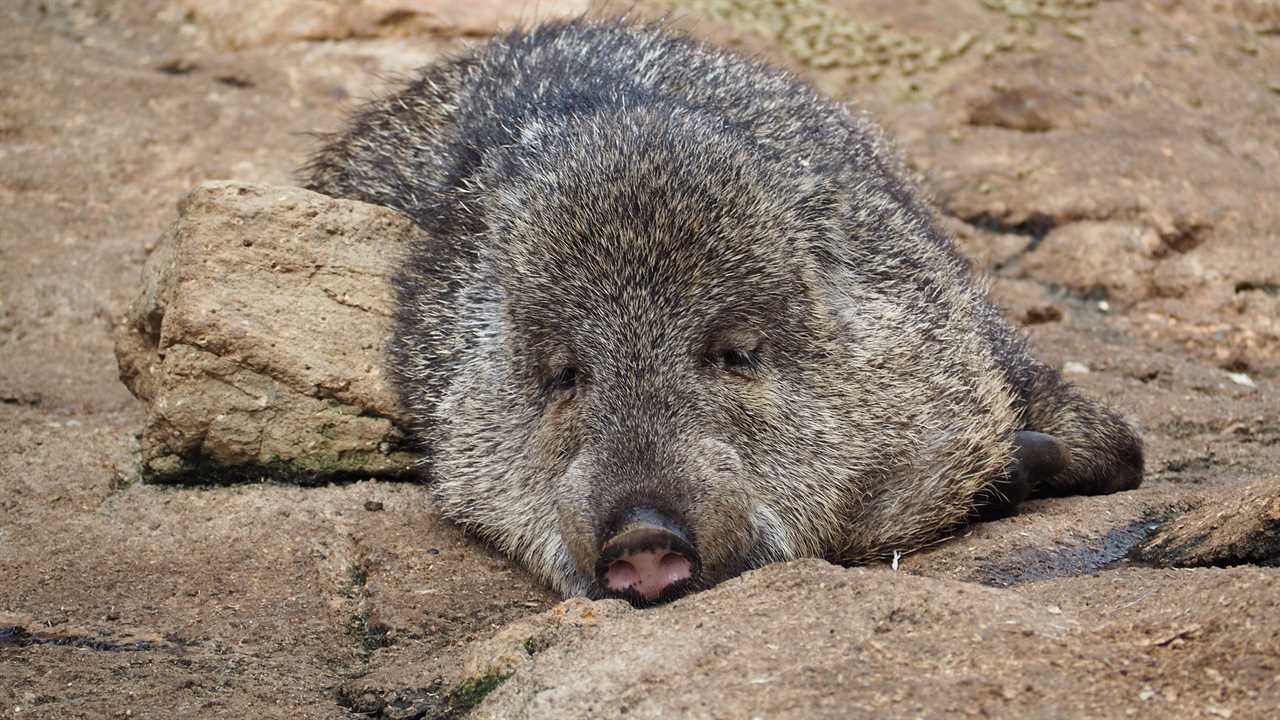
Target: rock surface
[(238, 25), (807, 639), (257, 339), (1241, 528), (123, 599), (1065, 537)]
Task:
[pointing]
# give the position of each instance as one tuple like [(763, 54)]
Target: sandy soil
[(1114, 171)]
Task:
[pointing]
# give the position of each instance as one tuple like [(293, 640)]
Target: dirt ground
[(1112, 164)]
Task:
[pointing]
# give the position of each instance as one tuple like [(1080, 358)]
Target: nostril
[(622, 575), (648, 572), (675, 567)]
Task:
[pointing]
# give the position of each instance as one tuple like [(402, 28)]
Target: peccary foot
[(1037, 457)]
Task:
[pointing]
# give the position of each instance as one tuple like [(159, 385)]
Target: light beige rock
[(258, 338), (514, 647), (1025, 108), (809, 640), (1240, 528), (1053, 538), (241, 25), (1106, 258)]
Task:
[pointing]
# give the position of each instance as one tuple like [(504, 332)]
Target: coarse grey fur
[(663, 275)]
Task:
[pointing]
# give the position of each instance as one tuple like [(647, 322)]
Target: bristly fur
[(659, 273)]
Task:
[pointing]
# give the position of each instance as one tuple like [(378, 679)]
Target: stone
[(808, 639), (1026, 109), (1053, 538), (1107, 259), (242, 25), (1241, 527), (257, 339)]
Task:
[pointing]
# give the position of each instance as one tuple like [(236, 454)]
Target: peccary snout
[(650, 555)]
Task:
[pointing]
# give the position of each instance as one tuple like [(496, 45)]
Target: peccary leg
[(1037, 459), (1105, 454)]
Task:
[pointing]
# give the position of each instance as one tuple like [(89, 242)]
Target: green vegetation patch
[(471, 692), (827, 38), (369, 636)]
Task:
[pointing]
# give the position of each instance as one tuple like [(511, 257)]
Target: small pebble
[(372, 505), (1075, 368), (1241, 379)]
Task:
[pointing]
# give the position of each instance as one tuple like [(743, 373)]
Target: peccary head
[(637, 375)]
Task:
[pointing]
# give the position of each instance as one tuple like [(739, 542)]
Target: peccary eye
[(564, 379), (743, 363)]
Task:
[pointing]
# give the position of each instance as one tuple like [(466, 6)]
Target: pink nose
[(648, 572), (648, 558)]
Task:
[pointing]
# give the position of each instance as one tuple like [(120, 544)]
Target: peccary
[(680, 316)]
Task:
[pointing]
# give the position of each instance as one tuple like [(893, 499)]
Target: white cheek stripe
[(773, 533)]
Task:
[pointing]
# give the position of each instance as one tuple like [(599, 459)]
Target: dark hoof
[(1037, 457)]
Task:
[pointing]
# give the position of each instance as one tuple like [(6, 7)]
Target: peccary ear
[(1036, 457)]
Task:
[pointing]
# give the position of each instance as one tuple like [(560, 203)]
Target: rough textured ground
[(1112, 164)]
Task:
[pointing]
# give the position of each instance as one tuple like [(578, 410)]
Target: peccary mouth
[(675, 591), (648, 560)]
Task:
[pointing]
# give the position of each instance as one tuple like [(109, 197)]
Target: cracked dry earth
[(1112, 164)]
